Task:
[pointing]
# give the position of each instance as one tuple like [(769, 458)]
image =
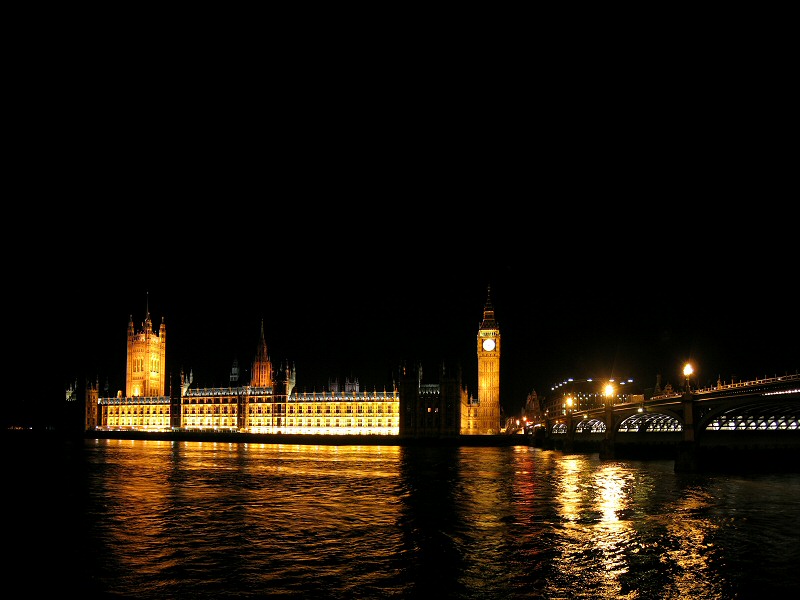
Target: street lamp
[(609, 393), (687, 372)]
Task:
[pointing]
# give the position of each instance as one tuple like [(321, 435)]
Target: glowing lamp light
[(687, 372), (608, 391)]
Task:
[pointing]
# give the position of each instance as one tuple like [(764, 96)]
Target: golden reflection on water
[(570, 494), (689, 528), (610, 481), (591, 498), (601, 526), (489, 522), (301, 508), (613, 536)]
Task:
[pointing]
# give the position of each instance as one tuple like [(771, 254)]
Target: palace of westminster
[(269, 404)]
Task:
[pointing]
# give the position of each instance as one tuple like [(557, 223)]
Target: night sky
[(618, 239)]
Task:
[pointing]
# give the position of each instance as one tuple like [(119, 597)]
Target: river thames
[(112, 518)]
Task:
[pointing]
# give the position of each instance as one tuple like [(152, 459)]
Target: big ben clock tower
[(489, 371)]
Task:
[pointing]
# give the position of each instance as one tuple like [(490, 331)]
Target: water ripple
[(172, 520)]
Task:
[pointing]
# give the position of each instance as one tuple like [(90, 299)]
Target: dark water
[(161, 520)]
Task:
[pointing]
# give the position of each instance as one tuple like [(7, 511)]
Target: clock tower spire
[(488, 370)]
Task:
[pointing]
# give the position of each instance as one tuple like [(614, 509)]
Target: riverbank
[(312, 439), (500, 440)]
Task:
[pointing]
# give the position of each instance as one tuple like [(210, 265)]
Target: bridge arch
[(593, 425), (647, 422), (774, 416), (626, 422)]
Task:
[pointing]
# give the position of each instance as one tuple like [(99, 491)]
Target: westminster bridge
[(751, 424)]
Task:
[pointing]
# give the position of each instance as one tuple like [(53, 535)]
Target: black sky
[(622, 228)]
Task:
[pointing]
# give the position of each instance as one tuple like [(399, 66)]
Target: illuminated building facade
[(268, 410), (145, 374), (270, 403), (483, 417)]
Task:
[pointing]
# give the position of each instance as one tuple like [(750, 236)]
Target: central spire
[(261, 376), (488, 312)]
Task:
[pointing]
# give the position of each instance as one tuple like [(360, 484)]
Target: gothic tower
[(488, 371), (90, 407), (145, 373), (262, 367)]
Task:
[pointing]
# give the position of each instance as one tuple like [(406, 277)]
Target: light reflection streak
[(591, 500), (689, 531), (569, 488), (613, 537)]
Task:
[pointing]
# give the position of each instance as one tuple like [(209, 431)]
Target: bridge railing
[(733, 385), (742, 384)]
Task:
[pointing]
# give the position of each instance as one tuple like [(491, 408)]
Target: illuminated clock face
[(488, 344)]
